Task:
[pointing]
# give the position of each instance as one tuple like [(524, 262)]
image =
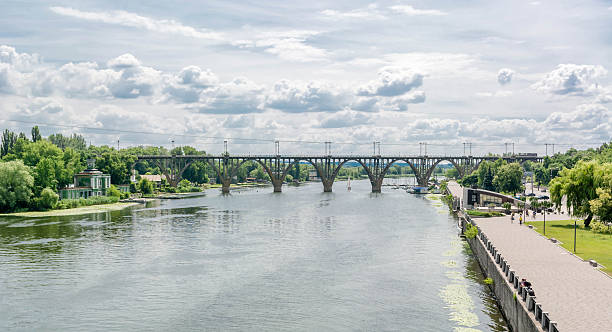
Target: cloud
[(499, 93), (571, 79), (287, 45), (299, 97), (411, 11), (22, 62), (238, 96), (344, 119), (504, 76), (238, 121), (188, 84), (392, 81), (585, 117), (369, 12), (123, 18)]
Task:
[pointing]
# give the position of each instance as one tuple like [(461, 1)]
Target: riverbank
[(73, 212)]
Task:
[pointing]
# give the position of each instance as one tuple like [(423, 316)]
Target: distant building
[(313, 175), (155, 178), (90, 182)]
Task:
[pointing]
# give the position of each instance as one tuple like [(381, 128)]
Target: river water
[(302, 260)]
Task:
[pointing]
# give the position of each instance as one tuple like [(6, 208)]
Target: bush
[(48, 199), (476, 213), (470, 231), (113, 191), (488, 281), (600, 227), (95, 200)]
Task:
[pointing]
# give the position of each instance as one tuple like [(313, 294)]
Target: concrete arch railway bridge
[(278, 166)]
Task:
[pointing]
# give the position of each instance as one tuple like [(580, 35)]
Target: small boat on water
[(418, 190)]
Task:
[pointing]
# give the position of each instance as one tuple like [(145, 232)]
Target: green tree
[(16, 184), (113, 191), (602, 205), (579, 186), (8, 140), (36, 134), (508, 178), (470, 180), (145, 186), (47, 200), (44, 174), (486, 175), (451, 173)]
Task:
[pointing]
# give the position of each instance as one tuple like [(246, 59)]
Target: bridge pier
[(377, 185), (327, 186), (225, 186), (278, 185)]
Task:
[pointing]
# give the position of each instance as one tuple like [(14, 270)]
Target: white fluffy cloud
[(288, 45), (504, 76), (238, 96), (392, 81), (572, 79), (299, 97), (187, 86)]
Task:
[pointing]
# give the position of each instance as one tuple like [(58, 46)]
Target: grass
[(476, 213), (589, 245)]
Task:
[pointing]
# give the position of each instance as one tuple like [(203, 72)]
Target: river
[(301, 260)]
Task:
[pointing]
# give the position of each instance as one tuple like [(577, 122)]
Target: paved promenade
[(576, 295)]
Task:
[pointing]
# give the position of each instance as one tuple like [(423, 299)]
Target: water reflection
[(300, 260)]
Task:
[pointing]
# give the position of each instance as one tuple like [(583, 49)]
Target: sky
[(402, 73)]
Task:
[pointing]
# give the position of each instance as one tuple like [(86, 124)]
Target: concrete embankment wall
[(522, 312)]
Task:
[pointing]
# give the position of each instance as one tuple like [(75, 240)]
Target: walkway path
[(576, 295)]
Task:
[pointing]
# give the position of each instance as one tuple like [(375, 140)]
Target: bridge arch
[(366, 168), (415, 170), (460, 169)]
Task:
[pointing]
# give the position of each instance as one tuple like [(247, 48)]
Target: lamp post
[(575, 226)]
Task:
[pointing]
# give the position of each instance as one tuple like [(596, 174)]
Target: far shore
[(73, 212)]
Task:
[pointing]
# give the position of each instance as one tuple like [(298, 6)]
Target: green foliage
[(470, 180), (289, 178), (16, 184), (113, 191), (8, 141), (507, 206), (36, 134), (95, 200), (145, 186), (47, 200), (486, 175), (579, 185), (477, 213), (602, 205), (508, 178), (470, 231), (75, 142), (451, 173), (600, 227), (488, 281)]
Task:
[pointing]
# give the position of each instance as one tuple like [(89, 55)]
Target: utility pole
[(117, 144), (328, 148), (464, 148), (277, 147), (225, 146), (546, 144), (172, 140), (374, 145), (513, 148), (553, 149)]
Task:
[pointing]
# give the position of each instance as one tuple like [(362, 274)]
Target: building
[(157, 179), (473, 198), (90, 182), (313, 175)]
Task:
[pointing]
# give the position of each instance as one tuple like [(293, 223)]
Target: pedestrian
[(521, 219)]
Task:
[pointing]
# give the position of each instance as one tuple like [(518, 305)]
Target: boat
[(418, 190)]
